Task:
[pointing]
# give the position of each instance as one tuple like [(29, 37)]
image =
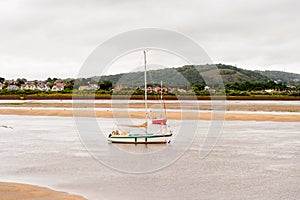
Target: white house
[(269, 90), (57, 88), (209, 89), (28, 86), (43, 87), (12, 87)]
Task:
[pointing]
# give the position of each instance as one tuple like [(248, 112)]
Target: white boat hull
[(157, 139)]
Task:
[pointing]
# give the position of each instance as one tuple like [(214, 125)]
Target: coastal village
[(32, 85), (59, 85)]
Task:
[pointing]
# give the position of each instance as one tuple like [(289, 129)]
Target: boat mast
[(161, 90), (145, 75), (162, 99)]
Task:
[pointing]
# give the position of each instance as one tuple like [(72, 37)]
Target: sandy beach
[(251, 113), (14, 191), (276, 117)]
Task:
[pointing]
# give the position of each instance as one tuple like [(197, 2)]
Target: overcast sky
[(52, 38)]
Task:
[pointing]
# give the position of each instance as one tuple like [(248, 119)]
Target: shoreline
[(10, 191), (171, 115)]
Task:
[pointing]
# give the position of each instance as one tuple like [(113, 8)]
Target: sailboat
[(144, 137), (162, 119)]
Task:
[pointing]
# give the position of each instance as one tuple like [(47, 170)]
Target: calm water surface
[(252, 160)]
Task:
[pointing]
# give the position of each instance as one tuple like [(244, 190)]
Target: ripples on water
[(47, 151)]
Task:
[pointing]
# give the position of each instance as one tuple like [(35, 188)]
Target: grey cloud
[(61, 34)]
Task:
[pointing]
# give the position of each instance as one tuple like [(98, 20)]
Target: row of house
[(59, 86), (31, 85)]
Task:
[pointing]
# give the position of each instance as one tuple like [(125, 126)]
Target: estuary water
[(251, 160)]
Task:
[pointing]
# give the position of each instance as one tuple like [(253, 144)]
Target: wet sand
[(246, 110), (13, 191), (172, 115)]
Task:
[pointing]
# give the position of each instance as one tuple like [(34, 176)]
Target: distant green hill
[(231, 74), (285, 77), (189, 75)]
